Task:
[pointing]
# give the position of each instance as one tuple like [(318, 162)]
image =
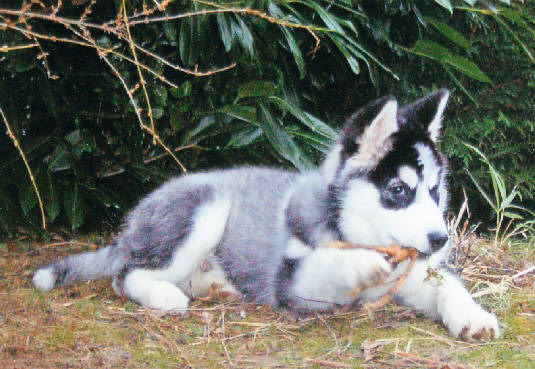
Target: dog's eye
[(397, 195), (397, 189)]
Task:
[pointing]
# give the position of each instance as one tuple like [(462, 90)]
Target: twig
[(503, 285), (165, 340), (248, 11), (70, 243), (140, 74), (523, 273), (32, 179), (328, 363), (151, 159), (335, 339), (6, 49), (171, 341), (397, 253), (227, 354), (195, 72), (137, 111), (428, 363)]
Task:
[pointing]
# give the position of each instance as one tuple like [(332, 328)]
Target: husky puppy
[(261, 232)]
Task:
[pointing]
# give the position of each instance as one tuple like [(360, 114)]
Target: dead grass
[(87, 326)]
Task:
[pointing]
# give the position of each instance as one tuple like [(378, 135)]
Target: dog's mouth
[(421, 254)]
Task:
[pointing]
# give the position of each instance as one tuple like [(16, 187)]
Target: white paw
[(165, 296), (365, 269), (44, 279), (471, 322)]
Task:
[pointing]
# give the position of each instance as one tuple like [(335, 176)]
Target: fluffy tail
[(102, 263)]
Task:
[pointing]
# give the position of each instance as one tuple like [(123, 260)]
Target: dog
[(261, 233)]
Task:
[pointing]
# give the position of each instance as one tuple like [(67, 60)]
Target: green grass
[(87, 326)]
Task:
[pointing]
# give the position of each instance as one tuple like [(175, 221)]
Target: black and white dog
[(261, 232)]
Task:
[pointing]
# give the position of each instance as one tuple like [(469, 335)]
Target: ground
[(88, 326)]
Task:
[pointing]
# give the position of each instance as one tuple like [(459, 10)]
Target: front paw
[(366, 270), (472, 323)]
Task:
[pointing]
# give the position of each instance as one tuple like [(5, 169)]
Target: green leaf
[(203, 124), (350, 59), (512, 215), (445, 4), (281, 141), (224, 31), (327, 18), (506, 203), (184, 90), (27, 198), (58, 161), (50, 196), (439, 53), (514, 34), (245, 137), (170, 31), (482, 191), (449, 32), (243, 112), (74, 207), (159, 94), (312, 139), (276, 12), (157, 112), (315, 124), (187, 42), (243, 35), (295, 50), (257, 89)]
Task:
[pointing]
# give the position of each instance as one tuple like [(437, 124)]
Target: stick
[(397, 254)]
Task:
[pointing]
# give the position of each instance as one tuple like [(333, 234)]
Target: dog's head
[(387, 177)]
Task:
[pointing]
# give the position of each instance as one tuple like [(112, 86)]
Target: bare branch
[(32, 179)]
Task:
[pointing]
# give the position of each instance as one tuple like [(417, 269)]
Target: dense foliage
[(281, 76)]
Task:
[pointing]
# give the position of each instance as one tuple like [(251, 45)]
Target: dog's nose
[(437, 240)]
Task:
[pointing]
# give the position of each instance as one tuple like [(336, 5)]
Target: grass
[(88, 326)]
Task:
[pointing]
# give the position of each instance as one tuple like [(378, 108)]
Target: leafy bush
[(102, 97)]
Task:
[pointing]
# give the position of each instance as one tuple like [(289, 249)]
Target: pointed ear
[(427, 113), (365, 138)]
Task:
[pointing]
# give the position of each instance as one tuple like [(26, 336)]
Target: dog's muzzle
[(437, 240)]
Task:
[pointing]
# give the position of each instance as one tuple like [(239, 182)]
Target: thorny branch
[(18, 20)]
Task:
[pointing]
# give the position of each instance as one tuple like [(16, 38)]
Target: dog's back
[(242, 223)]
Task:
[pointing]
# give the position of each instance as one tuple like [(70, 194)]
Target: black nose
[(437, 240)]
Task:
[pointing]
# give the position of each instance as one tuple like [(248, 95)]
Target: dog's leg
[(325, 277), (157, 288), (443, 297)]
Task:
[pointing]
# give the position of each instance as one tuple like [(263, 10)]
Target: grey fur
[(268, 207), (161, 222)]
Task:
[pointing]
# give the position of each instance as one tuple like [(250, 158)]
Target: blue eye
[(397, 189), (397, 195)]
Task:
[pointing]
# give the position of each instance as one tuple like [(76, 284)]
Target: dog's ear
[(365, 138), (426, 113)]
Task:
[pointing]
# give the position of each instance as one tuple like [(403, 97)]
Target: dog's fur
[(261, 232)]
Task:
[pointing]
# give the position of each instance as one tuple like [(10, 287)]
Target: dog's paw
[(472, 323), (166, 297), (44, 279), (365, 269)]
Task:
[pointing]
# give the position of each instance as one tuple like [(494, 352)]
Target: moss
[(87, 326)]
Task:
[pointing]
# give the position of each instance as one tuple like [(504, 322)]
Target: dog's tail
[(102, 263)]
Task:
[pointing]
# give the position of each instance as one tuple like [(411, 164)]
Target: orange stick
[(397, 254)]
